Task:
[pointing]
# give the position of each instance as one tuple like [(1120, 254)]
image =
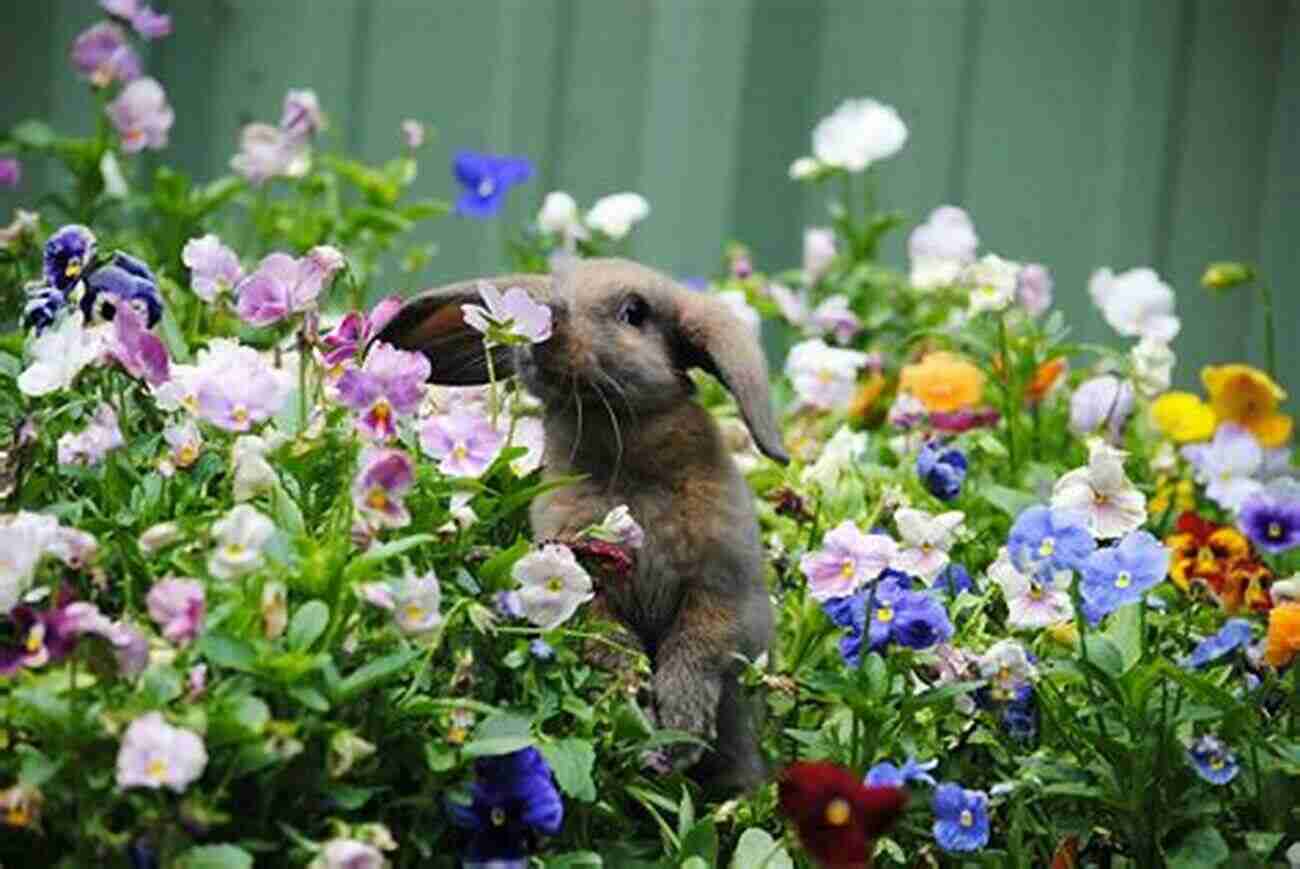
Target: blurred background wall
[(1111, 132)]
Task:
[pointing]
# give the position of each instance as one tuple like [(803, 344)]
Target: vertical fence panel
[(1220, 171)]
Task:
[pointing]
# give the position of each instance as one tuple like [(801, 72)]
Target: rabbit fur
[(618, 411)]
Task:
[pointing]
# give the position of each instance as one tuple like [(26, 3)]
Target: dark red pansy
[(835, 814)]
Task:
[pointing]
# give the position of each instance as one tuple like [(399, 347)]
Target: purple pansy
[(44, 636), (465, 442), (302, 116), (847, 560), (509, 317), (283, 285), (887, 775), (1034, 288), (236, 389), (123, 282), (139, 351), (386, 475), (1271, 516), (486, 178), (390, 384), (514, 798), (214, 268), (1228, 465), (942, 470), (1104, 401), (835, 316), (68, 253), (354, 331), (267, 152), (101, 54), (177, 606), (1122, 574), (155, 754), (961, 818), (141, 115), (42, 308), (11, 172)]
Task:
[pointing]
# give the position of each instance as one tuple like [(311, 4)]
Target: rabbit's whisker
[(618, 434), (573, 387), (622, 394)]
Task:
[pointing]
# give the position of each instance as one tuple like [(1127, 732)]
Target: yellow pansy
[(1183, 417), (1248, 397)]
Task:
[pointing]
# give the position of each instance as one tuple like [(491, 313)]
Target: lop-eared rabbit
[(619, 412)]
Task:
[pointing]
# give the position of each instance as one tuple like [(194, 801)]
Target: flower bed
[(269, 597)]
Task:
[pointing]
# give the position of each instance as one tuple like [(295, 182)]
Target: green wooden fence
[(1080, 134)]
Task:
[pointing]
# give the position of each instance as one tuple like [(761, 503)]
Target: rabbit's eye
[(634, 311)]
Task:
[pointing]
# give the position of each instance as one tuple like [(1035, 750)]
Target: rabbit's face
[(615, 339)]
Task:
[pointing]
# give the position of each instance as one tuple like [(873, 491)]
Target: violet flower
[(268, 152), (11, 172), (68, 253), (91, 444), (1034, 289), (847, 560), (141, 115), (1271, 516), (155, 754), (214, 268), (139, 351), (466, 443), (150, 24), (389, 385), (385, 477), (125, 281), (44, 636), (835, 316), (486, 178), (178, 607), (1228, 465), (42, 308), (412, 133), (355, 330), (283, 285), (1104, 401), (302, 116), (101, 54), (509, 318), (235, 388)]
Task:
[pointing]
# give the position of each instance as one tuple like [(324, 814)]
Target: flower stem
[(1009, 396), (1270, 333), (492, 383), (303, 350)]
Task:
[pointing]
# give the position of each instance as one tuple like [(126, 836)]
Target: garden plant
[(268, 597)]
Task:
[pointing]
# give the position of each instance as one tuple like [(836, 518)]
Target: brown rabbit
[(618, 409)]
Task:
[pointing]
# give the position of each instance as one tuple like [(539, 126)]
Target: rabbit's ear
[(714, 339), (433, 323)]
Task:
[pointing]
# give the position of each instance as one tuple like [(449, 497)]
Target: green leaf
[(36, 769), (33, 134), (310, 697), (361, 567), (215, 857), (701, 842), (1009, 501), (308, 623), (348, 797), (575, 860), (1105, 655), (496, 745), (500, 734), (369, 675), (572, 761), (237, 719), (224, 650), (1124, 631), (1263, 844), (758, 850), (1200, 849), (497, 568)]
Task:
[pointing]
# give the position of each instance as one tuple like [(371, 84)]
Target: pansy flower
[(102, 54), (378, 491), (940, 247), (1283, 642), (1102, 494), (389, 385), (886, 774), (961, 818), (835, 316), (942, 470), (240, 537), (1183, 417), (233, 387), (68, 253), (512, 317), (283, 285), (1034, 289), (214, 268), (141, 115), (178, 607), (1122, 574), (1234, 635), (417, 603), (124, 282), (943, 382), (41, 636), (11, 172), (823, 377), (848, 559), (1248, 397), (1037, 599), (513, 801), (1212, 760), (90, 445), (140, 352), (992, 281), (1136, 303), (1007, 666), (485, 179), (1219, 559), (345, 342), (1103, 402), (154, 754), (616, 214), (552, 585), (926, 541), (266, 152), (835, 814), (1228, 465), (1271, 517), (465, 443), (858, 133), (42, 307)]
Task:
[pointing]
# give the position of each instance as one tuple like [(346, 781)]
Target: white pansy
[(992, 281), (941, 247), (926, 541), (1032, 602), (616, 214), (824, 377), (1153, 366), (253, 474), (857, 134), (804, 167), (1101, 492), (737, 303), (1135, 303), (58, 356), (552, 585), (240, 536), (560, 216), (845, 451)]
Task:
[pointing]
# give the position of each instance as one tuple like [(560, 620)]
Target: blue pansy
[(1234, 634), (920, 621), (541, 650), (942, 470), (961, 818), (1122, 574), (123, 281), (43, 306), (886, 775), (1020, 714), (68, 253), (1046, 539), (486, 178), (849, 613), (1212, 760), (514, 800), (954, 579)]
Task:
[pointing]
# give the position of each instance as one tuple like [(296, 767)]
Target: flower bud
[(1226, 275)]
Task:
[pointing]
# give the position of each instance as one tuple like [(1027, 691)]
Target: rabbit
[(618, 412)]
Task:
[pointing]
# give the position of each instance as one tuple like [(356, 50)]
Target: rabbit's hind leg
[(736, 764)]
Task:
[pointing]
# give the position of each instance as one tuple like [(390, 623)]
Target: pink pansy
[(102, 54), (508, 316), (155, 754), (389, 385), (269, 152), (818, 252), (150, 24), (351, 854), (835, 316), (385, 477), (848, 559), (552, 585), (1111, 505), (283, 285), (214, 268), (1034, 289), (302, 116), (1228, 466), (412, 133), (354, 331), (941, 247), (11, 172), (1032, 602), (465, 443), (197, 682), (74, 547), (91, 444), (178, 606), (141, 115), (926, 541), (139, 351), (235, 388), (185, 440)]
